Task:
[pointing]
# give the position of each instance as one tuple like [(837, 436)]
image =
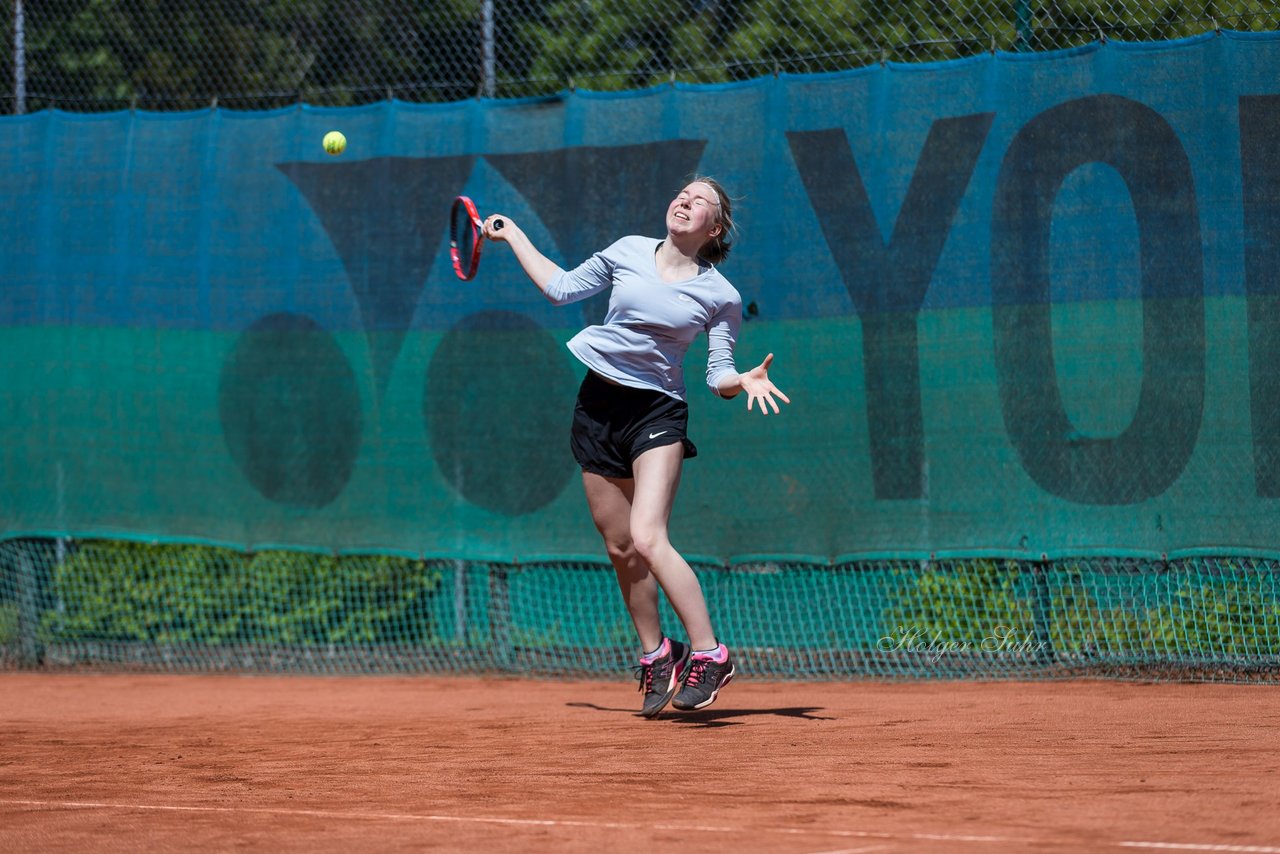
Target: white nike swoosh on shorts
[(656, 435)]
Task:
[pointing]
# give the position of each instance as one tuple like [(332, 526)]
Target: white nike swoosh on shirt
[(656, 435)]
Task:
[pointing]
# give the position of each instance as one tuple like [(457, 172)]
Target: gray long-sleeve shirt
[(650, 323)]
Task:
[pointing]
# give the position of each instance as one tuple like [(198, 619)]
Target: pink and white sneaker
[(708, 673), (660, 675)]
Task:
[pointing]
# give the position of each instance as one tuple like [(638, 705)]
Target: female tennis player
[(630, 423)]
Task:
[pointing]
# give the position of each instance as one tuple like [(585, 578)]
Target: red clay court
[(150, 762)]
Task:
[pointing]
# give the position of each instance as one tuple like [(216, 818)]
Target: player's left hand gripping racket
[(466, 237)]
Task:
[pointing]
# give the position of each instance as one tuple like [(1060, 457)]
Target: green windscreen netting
[(1026, 306), (184, 608)]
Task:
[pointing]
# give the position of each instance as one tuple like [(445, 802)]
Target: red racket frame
[(467, 208)]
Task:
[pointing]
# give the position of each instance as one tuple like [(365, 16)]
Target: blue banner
[(1023, 303)]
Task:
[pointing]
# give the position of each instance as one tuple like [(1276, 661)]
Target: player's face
[(695, 210)]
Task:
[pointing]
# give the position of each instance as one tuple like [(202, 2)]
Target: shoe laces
[(645, 673), (697, 670)]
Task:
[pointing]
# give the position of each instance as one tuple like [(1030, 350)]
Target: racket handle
[(497, 224)]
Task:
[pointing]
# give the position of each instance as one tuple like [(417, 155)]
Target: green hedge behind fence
[(204, 595)]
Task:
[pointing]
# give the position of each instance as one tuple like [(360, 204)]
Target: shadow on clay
[(716, 717)]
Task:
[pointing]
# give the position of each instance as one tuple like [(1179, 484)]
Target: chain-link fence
[(92, 55), (70, 603)]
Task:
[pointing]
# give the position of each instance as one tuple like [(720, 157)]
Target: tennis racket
[(466, 237)]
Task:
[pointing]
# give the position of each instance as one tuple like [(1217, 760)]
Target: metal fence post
[(1022, 25), (500, 617), (460, 601), (28, 614), (19, 58), (487, 51), (1045, 653)]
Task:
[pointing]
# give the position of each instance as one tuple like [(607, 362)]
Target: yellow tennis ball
[(335, 142)]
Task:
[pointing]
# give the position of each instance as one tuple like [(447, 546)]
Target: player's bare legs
[(618, 517), (610, 502), (657, 473)]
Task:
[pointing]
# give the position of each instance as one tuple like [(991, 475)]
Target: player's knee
[(617, 542), (650, 541), (619, 548)]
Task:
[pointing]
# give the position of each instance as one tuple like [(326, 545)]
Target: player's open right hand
[(760, 389)]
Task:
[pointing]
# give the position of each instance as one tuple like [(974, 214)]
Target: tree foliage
[(105, 54), (161, 54)]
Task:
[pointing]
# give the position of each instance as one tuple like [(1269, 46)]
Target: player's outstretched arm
[(538, 267), (757, 385)]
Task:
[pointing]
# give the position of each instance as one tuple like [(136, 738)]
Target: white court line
[(1264, 849), (617, 825)]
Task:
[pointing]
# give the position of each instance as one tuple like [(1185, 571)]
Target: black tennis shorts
[(614, 424)]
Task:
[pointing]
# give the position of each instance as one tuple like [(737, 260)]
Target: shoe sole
[(677, 673), (733, 671)]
